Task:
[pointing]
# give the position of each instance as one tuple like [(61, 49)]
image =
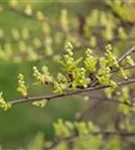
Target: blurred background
[(34, 32), (22, 123)]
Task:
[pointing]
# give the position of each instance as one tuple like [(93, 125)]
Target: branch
[(128, 103), (125, 68), (108, 133), (55, 96), (100, 99), (126, 54)]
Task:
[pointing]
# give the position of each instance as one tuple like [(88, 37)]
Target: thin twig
[(126, 54)]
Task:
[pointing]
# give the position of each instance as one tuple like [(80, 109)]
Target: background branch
[(105, 133)]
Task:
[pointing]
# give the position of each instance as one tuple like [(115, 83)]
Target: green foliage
[(37, 142), (106, 63), (68, 62), (130, 60), (79, 78), (60, 84), (22, 88), (44, 77), (61, 130), (3, 104), (90, 61), (82, 140), (41, 103), (113, 143), (79, 70)]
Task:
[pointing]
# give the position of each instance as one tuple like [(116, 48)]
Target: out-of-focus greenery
[(19, 125)]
